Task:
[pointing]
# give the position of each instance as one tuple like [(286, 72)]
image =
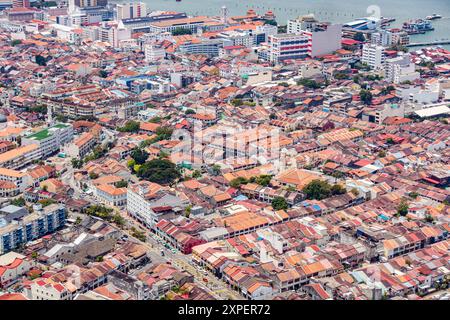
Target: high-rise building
[(288, 46), (130, 10), (374, 56), (401, 69), (21, 4), (224, 14), (324, 38)]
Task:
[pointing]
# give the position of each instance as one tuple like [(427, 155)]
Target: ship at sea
[(434, 16), (418, 26)]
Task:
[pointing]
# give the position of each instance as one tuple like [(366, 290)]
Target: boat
[(434, 16), (418, 26)]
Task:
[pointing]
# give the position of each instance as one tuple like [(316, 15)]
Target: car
[(205, 280)]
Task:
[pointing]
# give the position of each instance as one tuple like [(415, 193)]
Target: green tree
[(160, 171), (215, 168), (402, 208), (163, 133), (271, 22), (279, 203), (337, 189), (93, 175), (118, 220), (196, 174), (103, 73), (40, 60), (121, 184), (312, 84), (390, 141), (130, 126), (181, 31), (46, 202), (139, 156), (317, 189), (42, 109), (187, 211), (140, 235), (413, 195), (189, 111), (15, 42), (155, 120), (366, 96), (263, 180), (359, 36), (19, 202), (237, 182), (237, 102)]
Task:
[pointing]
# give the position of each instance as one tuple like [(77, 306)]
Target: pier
[(428, 43)]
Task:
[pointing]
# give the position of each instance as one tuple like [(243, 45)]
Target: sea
[(337, 11)]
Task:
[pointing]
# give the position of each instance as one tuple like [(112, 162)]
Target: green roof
[(45, 133)]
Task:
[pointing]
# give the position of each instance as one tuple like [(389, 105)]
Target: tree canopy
[(366, 96), (139, 156), (318, 190), (279, 203), (130, 126), (160, 171)]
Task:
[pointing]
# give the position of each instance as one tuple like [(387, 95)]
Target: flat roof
[(433, 111), (45, 133)]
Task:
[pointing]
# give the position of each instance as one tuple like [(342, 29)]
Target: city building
[(51, 139), (130, 10), (18, 226), (374, 56)]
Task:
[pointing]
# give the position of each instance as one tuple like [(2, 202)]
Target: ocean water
[(339, 11)]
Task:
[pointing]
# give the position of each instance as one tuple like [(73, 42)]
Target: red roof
[(350, 42)]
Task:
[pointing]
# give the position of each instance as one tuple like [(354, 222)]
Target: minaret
[(224, 12)]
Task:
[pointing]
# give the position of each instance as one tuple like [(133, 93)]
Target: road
[(214, 286), (155, 245)]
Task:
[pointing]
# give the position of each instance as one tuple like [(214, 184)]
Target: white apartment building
[(238, 38), (115, 34), (50, 140), (81, 146), (111, 196), (374, 56), (20, 179), (401, 69), (387, 38), (130, 10), (389, 110), (47, 289), (154, 53), (306, 22), (209, 47), (144, 198), (20, 157), (288, 46), (13, 266)]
